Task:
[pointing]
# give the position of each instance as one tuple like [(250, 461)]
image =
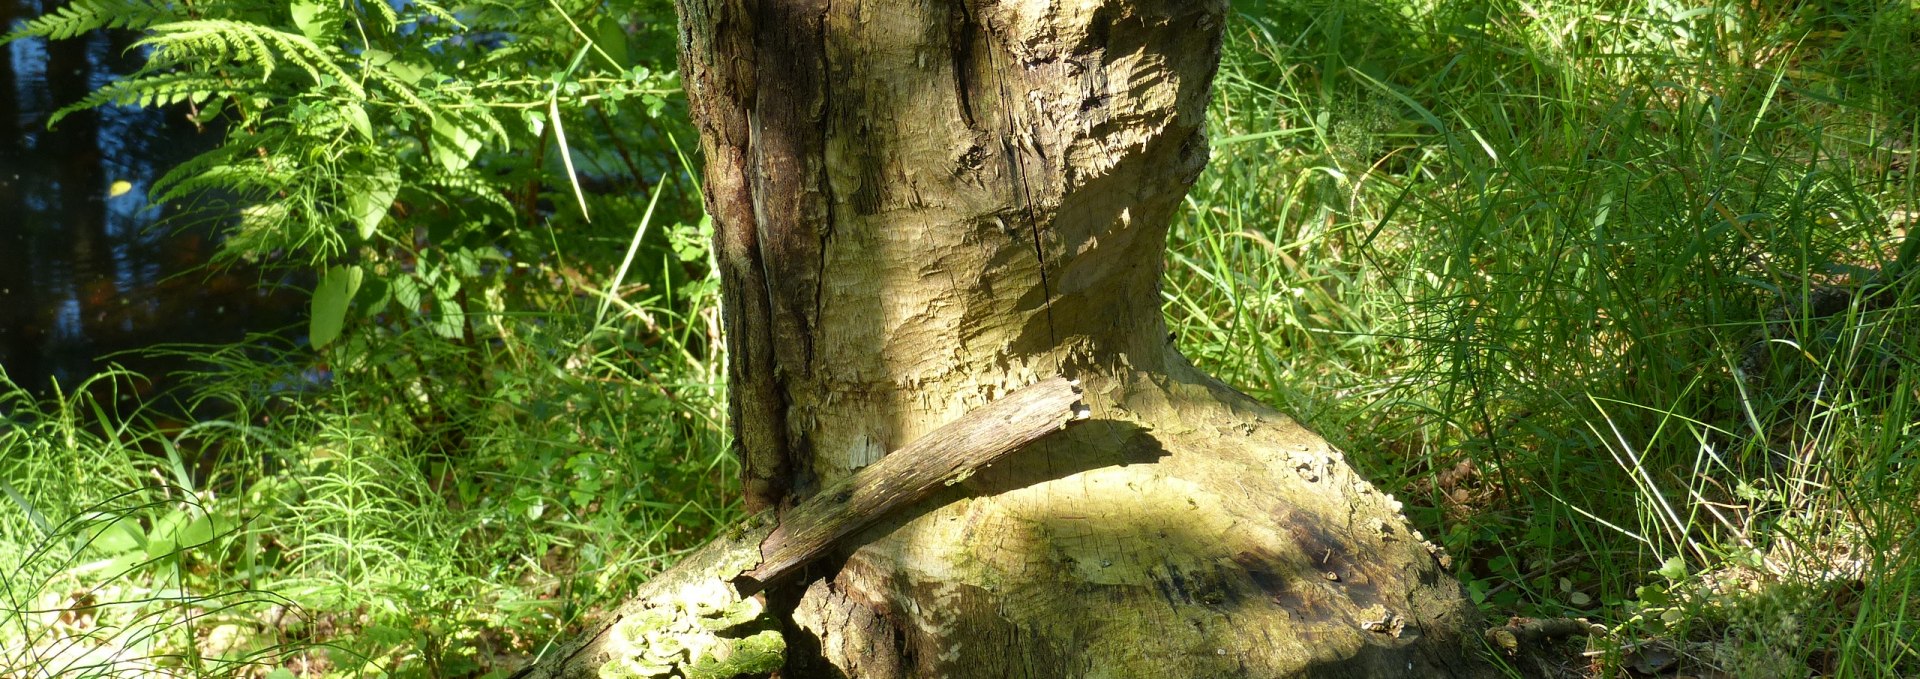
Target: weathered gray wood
[(943, 456), (1521, 633), (582, 656)]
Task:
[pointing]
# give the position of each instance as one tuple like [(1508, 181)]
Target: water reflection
[(85, 273)]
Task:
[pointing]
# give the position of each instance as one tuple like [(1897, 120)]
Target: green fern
[(81, 16), (194, 61), (158, 89), (434, 10), (399, 88), (216, 42), (317, 96), (227, 169), (471, 185)]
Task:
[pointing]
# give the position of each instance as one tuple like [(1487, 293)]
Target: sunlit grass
[(358, 520), (1588, 282), (1615, 294)]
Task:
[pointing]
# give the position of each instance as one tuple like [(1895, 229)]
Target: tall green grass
[(1614, 291), (427, 508)]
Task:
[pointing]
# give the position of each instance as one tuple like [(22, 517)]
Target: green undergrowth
[(391, 519), (504, 412), (1614, 294)]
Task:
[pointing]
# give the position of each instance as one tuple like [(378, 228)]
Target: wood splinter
[(1521, 633), (942, 457)]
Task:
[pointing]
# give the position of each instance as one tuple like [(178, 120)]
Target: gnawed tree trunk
[(700, 619), (922, 206)]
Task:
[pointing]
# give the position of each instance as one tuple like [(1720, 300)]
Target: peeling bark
[(921, 205)]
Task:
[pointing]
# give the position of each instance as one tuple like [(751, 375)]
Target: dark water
[(85, 274)]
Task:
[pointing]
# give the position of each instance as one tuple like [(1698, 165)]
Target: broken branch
[(943, 456)]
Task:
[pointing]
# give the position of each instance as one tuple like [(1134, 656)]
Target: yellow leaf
[(120, 188)]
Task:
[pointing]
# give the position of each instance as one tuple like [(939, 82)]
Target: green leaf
[(369, 203), (376, 293), (311, 18), (1653, 595), (406, 289), (611, 38), (449, 320), (199, 531), (408, 72), (123, 535), (181, 529), (536, 121), (330, 299), (1477, 591), (387, 635), (453, 145), (164, 538), (357, 117), (1675, 568), (466, 262)]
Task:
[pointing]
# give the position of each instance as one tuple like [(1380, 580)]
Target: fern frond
[(314, 58), (81, 16), (399, 88), (390, 17), (224, 170), (434, 9), (493, 125), (157, 89), (202, 41), (468, 183)]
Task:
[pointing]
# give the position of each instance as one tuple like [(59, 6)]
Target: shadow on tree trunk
[(921, 208)]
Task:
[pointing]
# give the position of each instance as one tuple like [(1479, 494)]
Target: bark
[(922, 205), (698, 618), (946, 456)]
